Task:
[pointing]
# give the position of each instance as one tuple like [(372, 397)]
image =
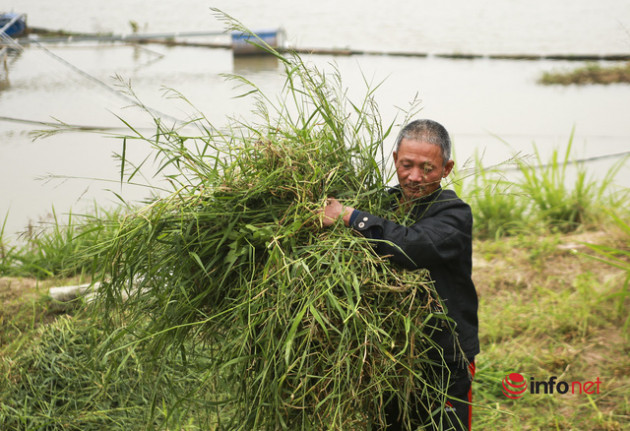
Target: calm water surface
[(491, 107)]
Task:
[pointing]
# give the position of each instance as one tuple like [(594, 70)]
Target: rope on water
[(77, 127), (102, 84), (513, 166)]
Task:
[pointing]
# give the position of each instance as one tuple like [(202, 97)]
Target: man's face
[(420, 168)]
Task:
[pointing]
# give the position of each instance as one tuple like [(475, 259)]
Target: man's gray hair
[(427, 131)]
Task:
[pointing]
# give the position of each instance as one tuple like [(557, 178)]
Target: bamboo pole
[(171, 39)]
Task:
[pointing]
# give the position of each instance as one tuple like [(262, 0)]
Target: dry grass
[(547, 310)]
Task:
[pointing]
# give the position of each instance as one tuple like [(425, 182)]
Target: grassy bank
[(546, 309), (553, 289)]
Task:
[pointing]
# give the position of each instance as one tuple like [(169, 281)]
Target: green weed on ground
[(546, 309), (74, 375), (524, 196), (58, 247)]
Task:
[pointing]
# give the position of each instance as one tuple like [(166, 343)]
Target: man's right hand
[(333, 210)]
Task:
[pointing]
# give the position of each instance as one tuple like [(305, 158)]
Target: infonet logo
[(514, 386)]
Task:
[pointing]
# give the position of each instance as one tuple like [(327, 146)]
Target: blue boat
[(15, 24)]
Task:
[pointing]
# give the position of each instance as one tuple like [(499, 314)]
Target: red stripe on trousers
[(471, 369)]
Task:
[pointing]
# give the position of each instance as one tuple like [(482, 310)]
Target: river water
[(493, 108)]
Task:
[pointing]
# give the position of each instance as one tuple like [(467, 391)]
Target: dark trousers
[(432, 410)]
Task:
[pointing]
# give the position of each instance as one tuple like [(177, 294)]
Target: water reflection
[(254, 63), (139, 54), (7, 58)]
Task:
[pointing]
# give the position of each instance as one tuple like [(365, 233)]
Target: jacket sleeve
[(438, 235)]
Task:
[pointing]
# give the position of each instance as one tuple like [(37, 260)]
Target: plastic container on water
[(17, 28), (248, 44)]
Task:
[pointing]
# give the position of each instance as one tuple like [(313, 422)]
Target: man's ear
[(448, 168), (395, 157)]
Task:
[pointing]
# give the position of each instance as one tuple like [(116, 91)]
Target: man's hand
[(333, 210)]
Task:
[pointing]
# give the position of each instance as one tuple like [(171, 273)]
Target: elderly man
[(440, 240)]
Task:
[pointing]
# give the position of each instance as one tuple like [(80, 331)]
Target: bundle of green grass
[(301, 327)]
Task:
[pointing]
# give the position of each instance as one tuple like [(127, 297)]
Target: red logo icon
[(514, 385)]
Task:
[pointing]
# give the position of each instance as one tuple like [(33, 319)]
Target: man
[(440, 240)]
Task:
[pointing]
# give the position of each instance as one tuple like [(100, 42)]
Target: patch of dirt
[(513, 264), (25, 306), (15, 291)]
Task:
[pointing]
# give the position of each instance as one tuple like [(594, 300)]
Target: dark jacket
[(439, 240)]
